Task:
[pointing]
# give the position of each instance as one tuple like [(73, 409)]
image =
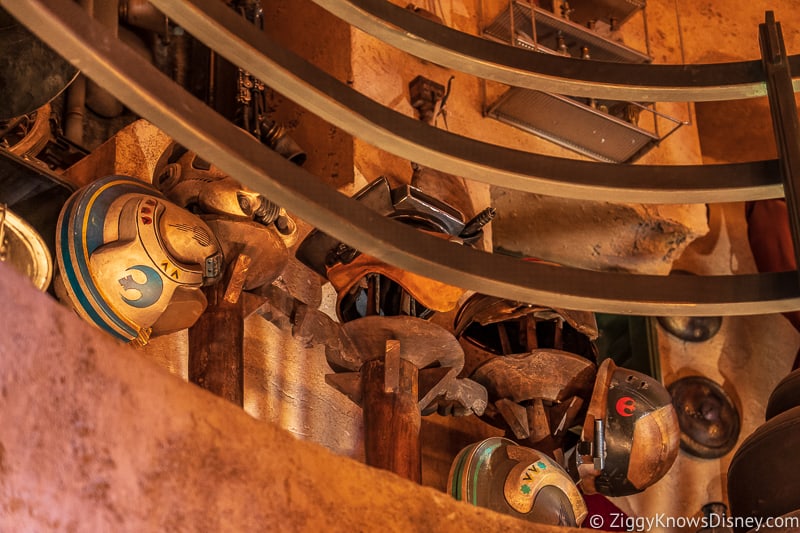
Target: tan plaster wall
[(319, 37), (739, 130)]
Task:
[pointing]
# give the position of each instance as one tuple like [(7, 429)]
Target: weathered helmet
[(499, 326), (191, 182), (630, 434), (356, 276), (498, 474), (131, 262), (537, 364)]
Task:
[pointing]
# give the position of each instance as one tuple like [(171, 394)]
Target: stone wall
[(96, 438)]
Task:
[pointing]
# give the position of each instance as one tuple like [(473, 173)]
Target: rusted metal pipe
[(98, 99), (142, 14), (75, 110)]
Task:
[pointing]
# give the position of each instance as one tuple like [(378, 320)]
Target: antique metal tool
[(254, 235), (537, 364), (396, 367), (367, 286)]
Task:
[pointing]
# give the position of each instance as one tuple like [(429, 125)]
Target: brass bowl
[(23, 248)]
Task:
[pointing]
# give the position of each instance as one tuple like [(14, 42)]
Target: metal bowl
[(23, 248), (707, 417)]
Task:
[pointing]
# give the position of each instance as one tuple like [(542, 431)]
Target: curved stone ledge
[(96, 438)]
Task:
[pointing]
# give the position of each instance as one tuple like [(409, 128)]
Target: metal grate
[(572, 124), (548, 30), (584, 11), (601, 131)]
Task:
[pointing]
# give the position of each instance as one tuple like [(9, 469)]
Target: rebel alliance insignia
[(626, 406), (149, 291)]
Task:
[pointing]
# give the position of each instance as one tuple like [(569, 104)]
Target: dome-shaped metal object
[(31, 73), (522, 482), (707, 417), (23, 248), (691, 328), (785, 395), (762, 476)]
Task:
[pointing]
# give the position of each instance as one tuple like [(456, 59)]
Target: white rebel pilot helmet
[(132, 263)]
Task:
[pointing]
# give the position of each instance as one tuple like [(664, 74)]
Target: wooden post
[(391, 414), (216, 341)]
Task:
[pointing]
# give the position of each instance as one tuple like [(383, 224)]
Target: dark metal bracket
[(424, 93), (784, 119)]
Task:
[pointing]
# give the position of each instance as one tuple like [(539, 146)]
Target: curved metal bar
[(149, 93), (545, 72), (243, 44)]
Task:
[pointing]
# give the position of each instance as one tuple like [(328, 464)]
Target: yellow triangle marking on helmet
[(175, 274)]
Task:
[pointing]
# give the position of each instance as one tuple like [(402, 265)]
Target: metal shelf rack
[(605, 130)]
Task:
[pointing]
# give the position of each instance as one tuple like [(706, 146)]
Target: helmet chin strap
[(590, 453), (599, 448)]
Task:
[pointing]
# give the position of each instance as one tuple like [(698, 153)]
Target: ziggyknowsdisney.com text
[(662, 521)]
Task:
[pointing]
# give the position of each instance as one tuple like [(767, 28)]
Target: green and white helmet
[(498, 474)]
